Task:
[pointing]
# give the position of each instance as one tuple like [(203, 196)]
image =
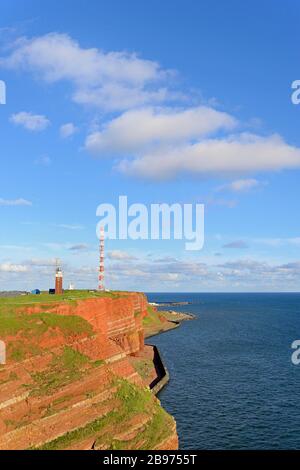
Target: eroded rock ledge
[(78, 375)]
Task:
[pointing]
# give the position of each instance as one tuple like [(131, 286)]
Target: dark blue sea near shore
[(233, 385)]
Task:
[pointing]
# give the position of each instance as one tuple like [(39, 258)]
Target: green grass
[(79, 434), (152, 318), (156, 431), (28, 329), (98, 362), (133, 401), (55, 406), (144, 367), (64, 369), (34, 325), (12, 376), (67, 296), (14, 321)]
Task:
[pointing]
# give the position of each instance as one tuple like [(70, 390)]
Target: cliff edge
[(78, 374)]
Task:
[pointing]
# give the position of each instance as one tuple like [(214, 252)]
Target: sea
[(233, 384)]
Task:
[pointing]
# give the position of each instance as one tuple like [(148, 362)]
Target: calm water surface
[(233, 385)]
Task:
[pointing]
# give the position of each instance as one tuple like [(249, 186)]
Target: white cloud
[(111, 80), (229, 203), (244, 274), (31, 122), (41, 262), (79, 247), (15, 202), (170, 277), (239, 154), (236, 244), (120, 255), (119, 97), (13, 268), (69, 226), (67, 130), (156, 127), (155, 140), (242, 185), (276, 242)]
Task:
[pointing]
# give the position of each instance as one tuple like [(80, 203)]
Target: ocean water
[(233, 385)]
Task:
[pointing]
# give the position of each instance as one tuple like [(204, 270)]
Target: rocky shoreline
[(169, 304), (169, 321)]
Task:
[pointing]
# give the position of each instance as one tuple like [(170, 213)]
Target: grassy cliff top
[(27, 334), (67, 296), (29, 330)]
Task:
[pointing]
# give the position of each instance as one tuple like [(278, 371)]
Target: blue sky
[(174, 101)]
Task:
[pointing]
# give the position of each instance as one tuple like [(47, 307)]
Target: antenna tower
[(101, 264)]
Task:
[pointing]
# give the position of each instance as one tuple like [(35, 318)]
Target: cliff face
[(118, 319), (71, 380)]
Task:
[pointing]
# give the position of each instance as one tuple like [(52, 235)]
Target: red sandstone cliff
[(80, 388)]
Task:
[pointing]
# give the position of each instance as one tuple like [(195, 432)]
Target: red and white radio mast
[(101, 264)]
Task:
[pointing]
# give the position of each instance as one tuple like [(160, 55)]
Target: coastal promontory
[(78, 374)]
